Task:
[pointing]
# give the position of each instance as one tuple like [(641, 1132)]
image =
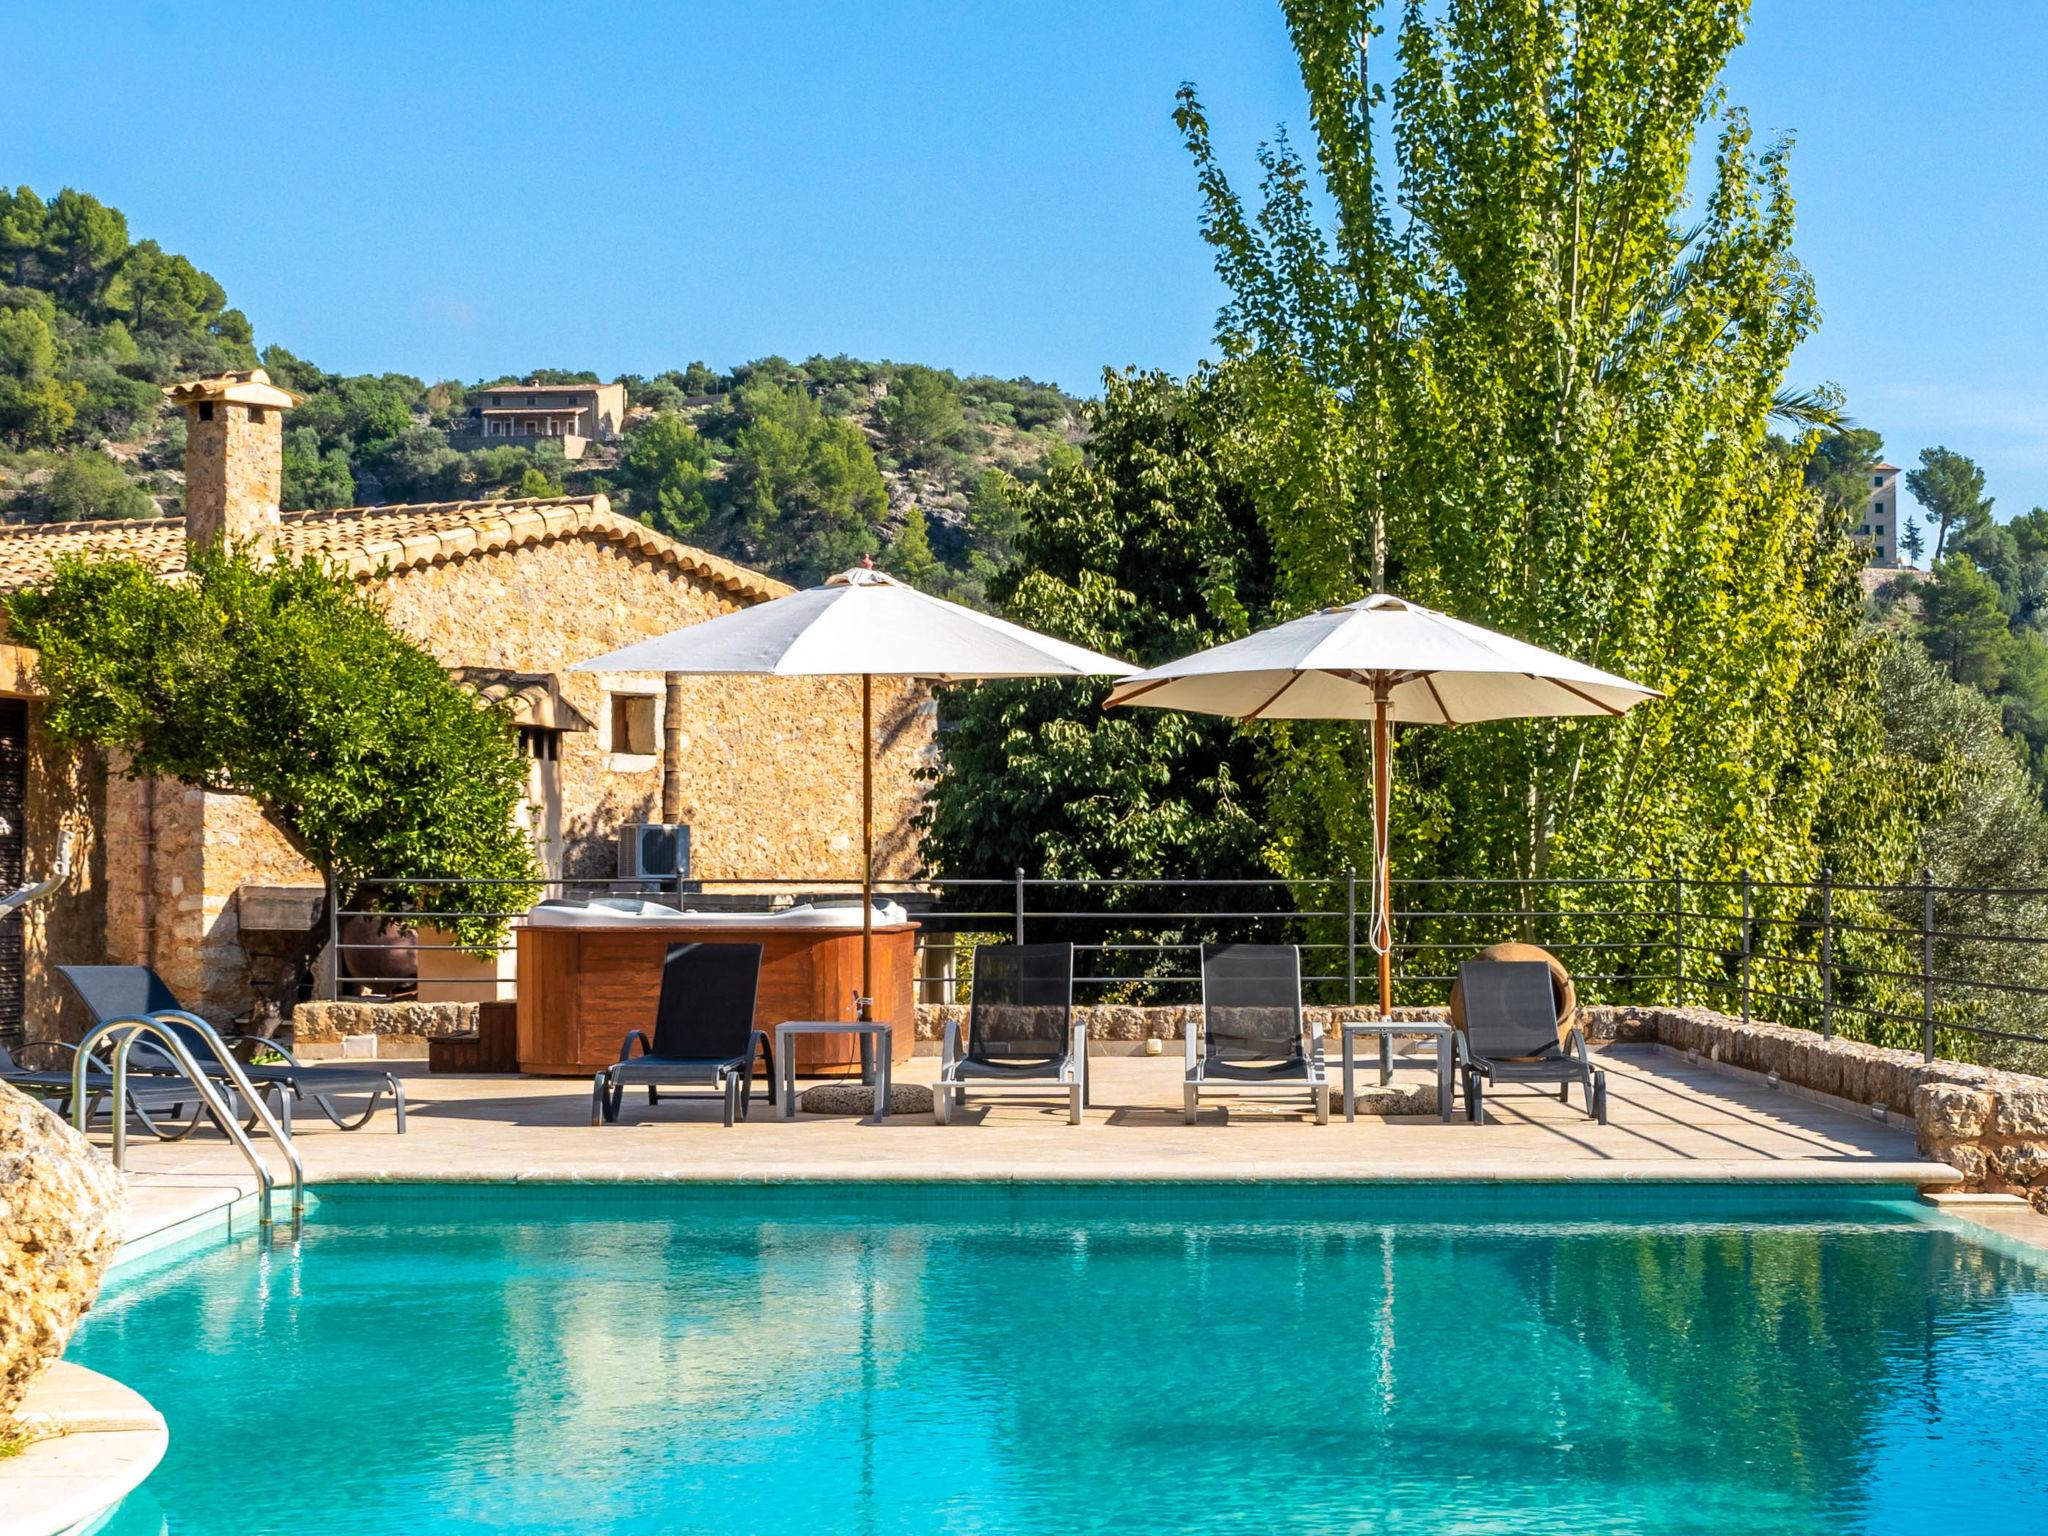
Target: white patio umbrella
[(1390, 662), (862, 624)]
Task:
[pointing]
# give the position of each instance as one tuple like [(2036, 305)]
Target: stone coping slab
[(94, 1441)]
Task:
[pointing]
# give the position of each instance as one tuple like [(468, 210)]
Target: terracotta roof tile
[(366, 540)]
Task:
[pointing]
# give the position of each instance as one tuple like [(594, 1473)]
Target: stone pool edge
[(94, 1442)]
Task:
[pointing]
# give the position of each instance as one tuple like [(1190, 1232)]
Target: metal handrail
[(131, 1029)]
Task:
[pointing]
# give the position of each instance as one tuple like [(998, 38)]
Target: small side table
[(1386, 1029), (876, 1040)]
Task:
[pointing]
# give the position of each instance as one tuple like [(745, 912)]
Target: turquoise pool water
[(1196, 1360)]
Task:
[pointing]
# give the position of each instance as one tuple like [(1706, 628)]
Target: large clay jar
[(378, 950), (1561, 986), (61, 1211)]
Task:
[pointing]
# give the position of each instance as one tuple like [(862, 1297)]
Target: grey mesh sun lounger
[(135, 991), (1020, 1030), (1510, 1036), (1252, 1030), (155, 1107), (704, 1034)]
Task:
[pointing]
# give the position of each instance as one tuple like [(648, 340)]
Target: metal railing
[(125, 1032), (1941, 969)]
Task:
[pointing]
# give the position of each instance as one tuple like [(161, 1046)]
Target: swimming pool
[(881, 1359)]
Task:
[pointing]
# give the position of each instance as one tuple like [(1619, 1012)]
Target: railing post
[(1351, 935), (1745, 945), (1827, 954), (1020, 903), (1677, 936), (1927, 964)]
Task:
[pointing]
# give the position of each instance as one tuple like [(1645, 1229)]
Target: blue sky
[(459, 190)]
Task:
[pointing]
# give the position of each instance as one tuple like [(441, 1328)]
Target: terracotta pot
[(1561, 986), (377, 949)]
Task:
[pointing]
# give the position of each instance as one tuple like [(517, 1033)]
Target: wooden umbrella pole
[(867, 847), (1382, 852)]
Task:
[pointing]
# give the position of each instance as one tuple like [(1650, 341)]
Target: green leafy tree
[(84, 242), (89, 485), (1150, 548), (1841, 468), (535, 482), (36, 405), (285, 683), (1963, 623), (22, 217), (1498, 366), (666, 469), (1912, 542), (921, 412), (810, 496), (911, 557), (1951, 488), (313, 478)]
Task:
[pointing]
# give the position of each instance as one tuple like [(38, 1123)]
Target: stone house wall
[(771, 766), (770, 772), (67, 793)]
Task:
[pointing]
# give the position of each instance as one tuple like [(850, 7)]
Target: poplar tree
[(1499, 366)]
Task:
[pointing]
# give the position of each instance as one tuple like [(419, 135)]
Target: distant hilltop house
[(1880, 526), (522, 415), (508, 595)]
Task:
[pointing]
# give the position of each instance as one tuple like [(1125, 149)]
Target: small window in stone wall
[(256, 415), (633, 724), (206, 410)]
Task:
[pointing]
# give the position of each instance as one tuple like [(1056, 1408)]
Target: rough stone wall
[(1990, 1126), (1123, 1023), (61, 1211), (771, 766), (319, 1023), (234, 472), (67, 791)]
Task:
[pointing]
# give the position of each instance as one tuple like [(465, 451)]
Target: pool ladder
[(167, 1040)]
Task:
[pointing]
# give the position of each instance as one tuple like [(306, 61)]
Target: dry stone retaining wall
[(1990, 1126)]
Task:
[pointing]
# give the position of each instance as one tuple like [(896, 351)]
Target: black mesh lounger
[(1252, 1030), (704, 1034), (1020, 1029), (112, 992), (148, 1103), (1510, 1036)]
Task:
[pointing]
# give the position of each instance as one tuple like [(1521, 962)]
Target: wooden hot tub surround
[(582, 988)]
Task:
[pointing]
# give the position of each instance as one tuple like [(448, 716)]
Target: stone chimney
[(234, 457)]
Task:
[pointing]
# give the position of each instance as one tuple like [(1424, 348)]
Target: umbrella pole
[(867, 847), (1382, 792)]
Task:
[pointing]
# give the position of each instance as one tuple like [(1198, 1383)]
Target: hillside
[(795, 467)]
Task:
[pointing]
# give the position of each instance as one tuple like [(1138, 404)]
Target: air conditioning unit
[(652, 850)]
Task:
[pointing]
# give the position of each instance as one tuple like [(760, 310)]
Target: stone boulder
[(859, 1099), (61, 1211)]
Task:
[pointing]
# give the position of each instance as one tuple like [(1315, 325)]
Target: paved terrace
[(1669, 1119)]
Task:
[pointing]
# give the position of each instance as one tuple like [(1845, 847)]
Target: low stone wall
[(327, 1023), (1991, 1127), (1118, 1023), (61, 1211)]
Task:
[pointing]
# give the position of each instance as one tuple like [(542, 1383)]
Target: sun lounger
[(704, 1034), (1020, 1029), (1510, 1036), (1252, 1030), (157, 1108), (135, 991)]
